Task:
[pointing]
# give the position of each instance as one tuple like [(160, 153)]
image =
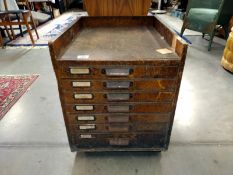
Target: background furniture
[(117, 7), (11, 9), (48, 2), (227, 59), (38, 17), (203, 16)]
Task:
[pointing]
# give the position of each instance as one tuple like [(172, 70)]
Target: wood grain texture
[(117, 7), (132, 118), (120, 128), (135, 85), (98, 72), (102, 97)]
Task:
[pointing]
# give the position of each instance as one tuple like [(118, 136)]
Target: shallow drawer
[(117, 118), (119, 127), (136, 85), (147, 71), (89, 97), (120, 108), (120, 140)]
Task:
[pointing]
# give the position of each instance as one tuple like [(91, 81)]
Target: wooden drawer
[(117, 118), (75, 71), (104, 97), (120, 108), (119, 127), (132, 85), (135, 140)]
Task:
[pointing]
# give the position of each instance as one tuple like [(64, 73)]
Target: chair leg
[(34, 26), (20, 26), (185, 24), (11, 28), (1, 40), (8, 33), (211, 40), (25, 20), (182, 30), (203, 35)]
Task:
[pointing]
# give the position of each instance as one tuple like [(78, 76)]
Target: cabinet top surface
[(118, 44)]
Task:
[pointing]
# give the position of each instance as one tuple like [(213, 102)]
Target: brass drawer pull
[(117, 72), (87, 127), (119, 142), (79, 71), (125, 108), (83, 96), (118, 119), (81, 84), (84, 108), (86, 118), (118, 84), (118, 97)]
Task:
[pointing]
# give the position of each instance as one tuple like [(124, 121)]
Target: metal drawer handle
[(87, 127), (125, 108), (118, 119), (118, 84), (117, 72), (86, 118), (118, 128), (83, 96), (86, 136), (79, 71), (118, 96), (81, 84), (119, 142), (84, 108)]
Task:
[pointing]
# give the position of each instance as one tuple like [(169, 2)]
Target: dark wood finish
[(72, 97), (117, 7), (130, 84), (134, 72), (119, 128), (117, 92), (124, 118), (122, 107), (120, 141)]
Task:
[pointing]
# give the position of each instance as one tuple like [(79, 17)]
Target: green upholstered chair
[(205, 15)]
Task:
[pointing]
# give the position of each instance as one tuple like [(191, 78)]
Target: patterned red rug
[(11, 89)]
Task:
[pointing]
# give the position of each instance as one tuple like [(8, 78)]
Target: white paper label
[(86, 127), (81, 84), (86, 136), (86, 118), (79, 71), (164, 51), (84, 108), (83, 96), (83, 56)]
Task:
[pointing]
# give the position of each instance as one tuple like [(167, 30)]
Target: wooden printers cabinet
[(118, 93)]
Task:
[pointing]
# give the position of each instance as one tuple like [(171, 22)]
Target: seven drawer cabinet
[(118, 80)]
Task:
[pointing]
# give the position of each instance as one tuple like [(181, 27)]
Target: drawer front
[(146, 71), (117, 118), (89, 97), (136, 85), (126, 108), (119, 128), (87, 140)]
